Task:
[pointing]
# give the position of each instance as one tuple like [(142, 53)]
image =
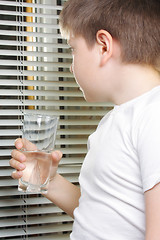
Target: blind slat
[(29, 34), (35, 54), (31, 210), (28, 24), (27, 14), (17, 132), (61, 170), (34, 230), (8, 102), (36, 73), (69, 141), (64, 161), (75, 113), (29, 201), (65, 151), (33, 220), (32, 5), (34, 63), (50, 237), (34, 44), (39, 93), (75, 122), (68, 83)]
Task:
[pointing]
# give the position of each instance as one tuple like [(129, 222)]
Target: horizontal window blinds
[(35, 77)]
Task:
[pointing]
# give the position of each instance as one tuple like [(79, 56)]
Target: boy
[(116, 51)]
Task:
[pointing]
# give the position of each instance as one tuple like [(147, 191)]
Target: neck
[(133, 81)]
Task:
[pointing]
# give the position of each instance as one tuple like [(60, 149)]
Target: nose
[(71, 68)]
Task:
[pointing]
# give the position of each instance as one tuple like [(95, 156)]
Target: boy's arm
[(152, 201), (63, 194)]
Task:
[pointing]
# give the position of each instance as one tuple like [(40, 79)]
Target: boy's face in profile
[(85, 67)]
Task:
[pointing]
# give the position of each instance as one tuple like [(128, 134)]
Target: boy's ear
[(105, 43)]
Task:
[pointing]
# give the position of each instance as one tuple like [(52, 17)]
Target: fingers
[(17, 174), (19, 156), (24, 143), (17, 161), (18, 143), (19, 168), (56, 157), (17, 165)]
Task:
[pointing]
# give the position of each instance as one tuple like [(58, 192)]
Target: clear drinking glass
[(39, 133)]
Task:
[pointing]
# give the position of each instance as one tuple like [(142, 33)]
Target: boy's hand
[(18, 158)]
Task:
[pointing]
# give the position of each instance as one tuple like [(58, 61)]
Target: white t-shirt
[(123, 161)]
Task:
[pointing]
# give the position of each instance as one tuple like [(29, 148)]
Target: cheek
[(82, 69), (76, 68)]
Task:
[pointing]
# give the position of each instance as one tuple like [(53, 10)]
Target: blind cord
[(20, 48), (24, 216)]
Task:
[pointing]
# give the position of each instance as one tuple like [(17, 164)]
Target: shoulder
[(147, 110), (148, 118)]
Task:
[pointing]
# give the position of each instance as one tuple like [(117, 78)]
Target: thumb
[(56, 157)]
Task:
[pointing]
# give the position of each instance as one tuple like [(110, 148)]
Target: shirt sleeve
[(148, 146)]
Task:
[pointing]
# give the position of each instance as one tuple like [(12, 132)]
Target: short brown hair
[(134, 23)]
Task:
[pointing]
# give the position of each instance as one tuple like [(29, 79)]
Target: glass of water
[(39, 133)]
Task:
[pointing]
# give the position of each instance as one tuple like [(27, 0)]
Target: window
[(34, 76)]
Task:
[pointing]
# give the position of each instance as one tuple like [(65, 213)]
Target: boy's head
[(134, 23)]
